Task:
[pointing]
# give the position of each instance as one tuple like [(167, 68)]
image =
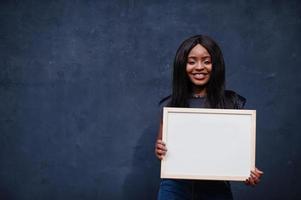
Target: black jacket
[(232, 100)]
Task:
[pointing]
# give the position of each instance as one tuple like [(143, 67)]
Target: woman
[(199, 82)]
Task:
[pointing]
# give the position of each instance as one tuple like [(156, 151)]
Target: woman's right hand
[(160, 149)]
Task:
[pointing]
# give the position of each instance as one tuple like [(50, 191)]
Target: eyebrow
[(203, 57)]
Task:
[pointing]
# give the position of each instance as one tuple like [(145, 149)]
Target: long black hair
[(182, 86)]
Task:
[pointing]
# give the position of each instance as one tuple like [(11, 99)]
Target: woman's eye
[(207, 62), (191, 62)]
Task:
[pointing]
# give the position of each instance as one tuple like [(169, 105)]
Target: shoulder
[(165, 101), (234, 100)]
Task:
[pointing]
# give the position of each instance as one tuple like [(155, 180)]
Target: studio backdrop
[(80, 83)]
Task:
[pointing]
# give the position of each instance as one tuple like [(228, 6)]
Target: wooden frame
[(211, 144)]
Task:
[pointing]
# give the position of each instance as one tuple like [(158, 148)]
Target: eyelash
[(207, 62)]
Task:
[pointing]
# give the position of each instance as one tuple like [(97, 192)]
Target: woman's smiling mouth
[(199, 75)]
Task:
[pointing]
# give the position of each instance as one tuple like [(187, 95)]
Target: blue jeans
[(175, 189)]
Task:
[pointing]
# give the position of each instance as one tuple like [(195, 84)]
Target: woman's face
[(199, 66)]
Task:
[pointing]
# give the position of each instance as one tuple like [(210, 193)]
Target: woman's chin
[(199, 83)]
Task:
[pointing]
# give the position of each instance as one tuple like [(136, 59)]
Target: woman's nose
[(199, 65)]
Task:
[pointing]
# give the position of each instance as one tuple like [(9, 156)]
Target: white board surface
[(212, 144)]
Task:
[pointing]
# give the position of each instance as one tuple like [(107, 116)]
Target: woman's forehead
[(198, 51)]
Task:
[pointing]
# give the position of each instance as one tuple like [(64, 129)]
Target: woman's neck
[(199, 91)]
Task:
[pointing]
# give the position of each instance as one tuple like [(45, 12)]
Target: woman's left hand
[(254, 178)]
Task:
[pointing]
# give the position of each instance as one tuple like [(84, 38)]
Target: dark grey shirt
[(198, 102), (194, 102)]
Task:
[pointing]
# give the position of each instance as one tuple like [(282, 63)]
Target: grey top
[(198, 102), (194, 102)]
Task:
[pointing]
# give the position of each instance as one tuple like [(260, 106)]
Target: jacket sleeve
[(234, 100), (239, 102)]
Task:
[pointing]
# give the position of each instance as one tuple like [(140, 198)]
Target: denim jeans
[(175, 189)]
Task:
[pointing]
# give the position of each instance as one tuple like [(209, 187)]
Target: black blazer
[(232, 100)]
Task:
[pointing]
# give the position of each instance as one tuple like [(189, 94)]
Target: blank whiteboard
[(211, 144)]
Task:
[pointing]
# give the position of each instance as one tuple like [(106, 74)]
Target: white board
[(211, 144)]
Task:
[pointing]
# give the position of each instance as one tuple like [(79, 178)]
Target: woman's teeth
[(199, 76)]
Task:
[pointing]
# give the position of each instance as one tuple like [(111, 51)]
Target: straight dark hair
[(182, 87)]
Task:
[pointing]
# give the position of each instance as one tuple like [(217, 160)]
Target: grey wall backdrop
[(80, 82)]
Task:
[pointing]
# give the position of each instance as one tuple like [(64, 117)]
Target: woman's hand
[(254, 177), (160, 149)]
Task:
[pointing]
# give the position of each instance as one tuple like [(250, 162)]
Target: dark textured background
[(80, 82)]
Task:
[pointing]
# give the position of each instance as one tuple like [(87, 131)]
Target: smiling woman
[(199, 68), (199, 82)]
